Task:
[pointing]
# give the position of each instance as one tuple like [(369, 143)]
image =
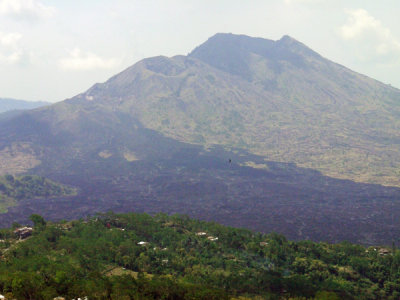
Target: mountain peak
[(296, 47), (235, 54), (229, 41), (230, 52), (288, 40), (237, 38)]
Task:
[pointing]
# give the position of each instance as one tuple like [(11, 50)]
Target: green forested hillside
[(13, 189), (136, 256)]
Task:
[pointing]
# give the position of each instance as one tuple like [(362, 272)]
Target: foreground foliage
[(136, 256)]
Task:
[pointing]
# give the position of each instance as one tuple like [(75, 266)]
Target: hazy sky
[(52, 50)]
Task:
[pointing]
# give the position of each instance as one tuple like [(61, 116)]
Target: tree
[(38, 221), (15, 225), (9, 178)]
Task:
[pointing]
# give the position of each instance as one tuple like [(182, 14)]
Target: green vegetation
[(136, 256), (13, 189)]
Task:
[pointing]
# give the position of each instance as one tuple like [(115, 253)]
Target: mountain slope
[(214, 135), (329, 118), (278, 99)]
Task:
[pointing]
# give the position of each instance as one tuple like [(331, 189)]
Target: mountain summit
[(171, 124), (237, 54)]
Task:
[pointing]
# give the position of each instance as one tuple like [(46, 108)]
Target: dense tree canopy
[(137, 256)]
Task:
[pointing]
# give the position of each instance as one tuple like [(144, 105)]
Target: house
[(23, 232), (384, 251)]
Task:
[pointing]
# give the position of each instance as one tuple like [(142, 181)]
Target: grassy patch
[(14, 189)]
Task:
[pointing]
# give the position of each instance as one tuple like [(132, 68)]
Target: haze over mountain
[(7, 104), (158, 137)]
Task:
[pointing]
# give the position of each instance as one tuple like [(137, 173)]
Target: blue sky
[(53, 50)]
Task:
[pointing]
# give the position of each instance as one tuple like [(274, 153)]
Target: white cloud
[(10, 50), (368, 31), (302, 1), (80, 61), (25, 9), (10, 39)]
